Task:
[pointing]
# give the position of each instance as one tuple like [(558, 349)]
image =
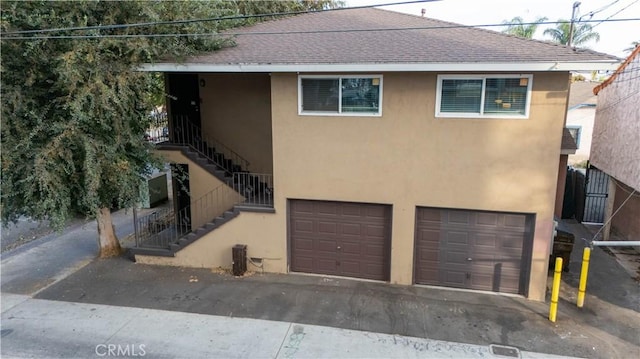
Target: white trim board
[(387, 67)]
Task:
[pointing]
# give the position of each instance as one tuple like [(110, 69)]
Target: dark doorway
[(184, 106), (180, 183)]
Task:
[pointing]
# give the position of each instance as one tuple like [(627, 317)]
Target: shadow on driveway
[(467, 317)]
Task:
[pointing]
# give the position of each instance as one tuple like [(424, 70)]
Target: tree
[(634, 44), (74, 110), (517, 27), (582, 33)]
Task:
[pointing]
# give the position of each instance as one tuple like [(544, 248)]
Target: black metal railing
[(188, 134), (255, 188), (162, 227)]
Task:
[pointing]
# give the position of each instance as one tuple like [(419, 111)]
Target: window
[(340, 95), (483, 96), (575, 133)]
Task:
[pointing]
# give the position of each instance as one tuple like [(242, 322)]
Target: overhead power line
[(614, 14), (222, 18), (591, 13), (451, 26)]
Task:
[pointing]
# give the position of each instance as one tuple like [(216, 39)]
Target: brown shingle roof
[(374, 36)]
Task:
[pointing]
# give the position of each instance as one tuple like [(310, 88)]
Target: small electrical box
[(239, 255)]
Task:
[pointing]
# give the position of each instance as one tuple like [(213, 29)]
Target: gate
[(595, 194)]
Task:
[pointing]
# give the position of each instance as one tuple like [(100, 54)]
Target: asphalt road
[(43, 261)]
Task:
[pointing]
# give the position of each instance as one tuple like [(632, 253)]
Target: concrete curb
[(52, 329)]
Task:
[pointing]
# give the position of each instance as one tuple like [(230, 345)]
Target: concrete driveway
[(608, 326)]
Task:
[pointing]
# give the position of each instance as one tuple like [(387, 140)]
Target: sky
[(615, 37)]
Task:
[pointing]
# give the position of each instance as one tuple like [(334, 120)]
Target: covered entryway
[(468, 249), (340, 238)]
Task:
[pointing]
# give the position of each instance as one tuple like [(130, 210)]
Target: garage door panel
[(489, 240), (351, 248), (303, 263), (455, 257), (487, 219), (301, 208), (303, 226), (304, 244), (326, 208), (325, 245), (349, 239), (428, 237), (457, 238), (325, 266), (379, 212), (327, 228), (373, 250), (354, 229), (432, 215), (375, 231), (455, 279), (516, 222), (472, 249), (353, 210)]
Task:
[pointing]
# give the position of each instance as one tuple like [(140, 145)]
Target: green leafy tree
[(517, 27), (74, 110), (582, 33)]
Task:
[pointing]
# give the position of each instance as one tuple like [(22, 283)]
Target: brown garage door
[(473, 249), (340, 238)]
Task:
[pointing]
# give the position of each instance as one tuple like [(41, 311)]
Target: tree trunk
[(107, 240)]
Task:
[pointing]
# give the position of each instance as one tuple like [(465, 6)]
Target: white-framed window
[(483, 96), (575, 133), (340, 95)]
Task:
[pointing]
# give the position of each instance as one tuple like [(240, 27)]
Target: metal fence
[(163, 227), (256, 188), (596, 193)]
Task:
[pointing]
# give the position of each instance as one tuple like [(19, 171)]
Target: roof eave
[(385, 67)]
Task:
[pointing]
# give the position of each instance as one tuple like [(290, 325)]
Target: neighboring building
[(391, 147), (615, 147), (580, 116)]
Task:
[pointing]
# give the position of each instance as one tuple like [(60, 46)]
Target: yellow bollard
[(582, 288), (555, 290)]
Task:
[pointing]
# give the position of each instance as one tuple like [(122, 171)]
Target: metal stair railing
[(186, 133), (256, 188), (163, 227)]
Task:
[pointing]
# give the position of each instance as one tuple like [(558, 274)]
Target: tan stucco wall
[(261, 232), (615, 147), (405, 158), (562, 182), (236, 110), (409, 158), (205, 204)]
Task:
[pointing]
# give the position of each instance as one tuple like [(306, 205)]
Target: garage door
[(340, 238), (473, 249)]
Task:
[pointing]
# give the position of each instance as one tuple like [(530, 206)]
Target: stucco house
[(581, 113), (615, 147), (369, 144)]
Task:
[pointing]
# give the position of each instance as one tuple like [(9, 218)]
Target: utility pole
[(573, 18)]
